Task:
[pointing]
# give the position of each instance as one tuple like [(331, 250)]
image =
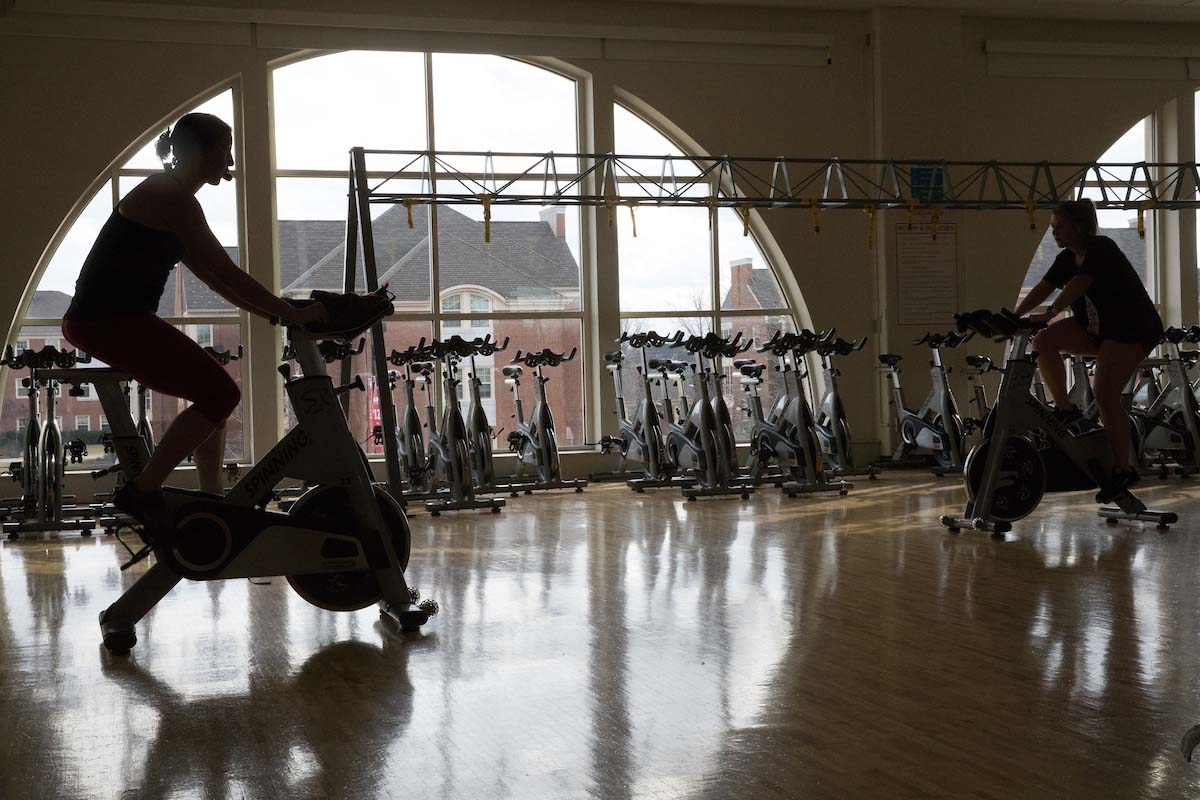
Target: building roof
[(763, 287), (524, 260)]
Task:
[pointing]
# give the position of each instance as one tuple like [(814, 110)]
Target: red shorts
[(161, 357)]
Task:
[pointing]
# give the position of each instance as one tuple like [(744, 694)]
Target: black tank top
[(126, 271)]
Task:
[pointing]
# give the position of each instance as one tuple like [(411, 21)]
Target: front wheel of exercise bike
[(352, 590), (1022, 478)]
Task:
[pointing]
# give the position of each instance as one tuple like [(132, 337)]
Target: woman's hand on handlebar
[(311, 314), (1041, 316)]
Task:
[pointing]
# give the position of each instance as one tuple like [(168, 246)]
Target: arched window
[(682, 270), (1121, 226), (523, 284), (187, 303)]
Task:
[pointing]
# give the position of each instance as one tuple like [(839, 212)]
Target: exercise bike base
[(119, 636), (791, 488), (435, 507), (692, 492), (1161, 519), (613, 477), (85, 526), (517, 487), (956, 524), (641, 484)]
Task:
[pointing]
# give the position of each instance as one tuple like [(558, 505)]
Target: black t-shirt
[(1116, 305), (126, 270)]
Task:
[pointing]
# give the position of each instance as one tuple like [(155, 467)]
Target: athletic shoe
[(1121, 480), (349, 314)]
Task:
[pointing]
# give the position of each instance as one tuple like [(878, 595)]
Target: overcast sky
[(326, 105)]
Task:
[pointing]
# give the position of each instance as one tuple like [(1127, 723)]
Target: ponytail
[(162, 149), (194, 133)]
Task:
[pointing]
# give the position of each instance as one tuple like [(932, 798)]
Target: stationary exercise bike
[(449, 459), (784, 445), (479, 429), (1168, 430), (936, 426), (1026, 449), (410, 438), (830, 423), (343, 545), (640, 439), (695, 443), (42, 505), (979, 367), (534, 441)]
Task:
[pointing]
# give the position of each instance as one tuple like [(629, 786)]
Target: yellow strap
[(1141, 218), (408, 204), (913, 203), (486, 200), (869, 210), (812, 204), (933, 223), (746, 219), (632, 219), (611, 205), (1031, 208)]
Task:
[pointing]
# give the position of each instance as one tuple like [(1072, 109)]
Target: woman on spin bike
[(1113, 320), (113, 313)]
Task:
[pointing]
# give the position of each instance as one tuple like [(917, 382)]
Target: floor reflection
[(635, 646)]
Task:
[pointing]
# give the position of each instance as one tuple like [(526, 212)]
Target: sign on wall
[(927, 273)]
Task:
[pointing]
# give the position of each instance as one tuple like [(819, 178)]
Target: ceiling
[(1143, 10)]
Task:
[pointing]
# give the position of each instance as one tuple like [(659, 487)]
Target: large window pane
[(631, 384), (490, 103), (312, 233), (531, 263), (758, 329), (747, 281), (326, 105), (221, 106), (667, 266), (564, 391), (57, 285)]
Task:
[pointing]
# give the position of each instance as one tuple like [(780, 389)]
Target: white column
[(263, 390)]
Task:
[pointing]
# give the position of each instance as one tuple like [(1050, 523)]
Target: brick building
[(527, 266)]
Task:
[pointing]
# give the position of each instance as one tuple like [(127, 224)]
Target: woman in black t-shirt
[(1113, 319)]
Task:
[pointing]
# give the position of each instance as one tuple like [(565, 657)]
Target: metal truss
[(607, 179)]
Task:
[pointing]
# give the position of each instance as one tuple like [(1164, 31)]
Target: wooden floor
[(615, 645)]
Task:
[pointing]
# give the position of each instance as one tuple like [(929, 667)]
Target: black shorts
[(1149, 339)]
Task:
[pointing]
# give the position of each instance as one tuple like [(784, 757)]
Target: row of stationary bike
[(798, 445), (43, 506), (1162, 400), (455, 469)]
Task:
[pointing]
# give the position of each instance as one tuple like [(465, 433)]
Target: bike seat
[(890, 359), (658, 363), (738, 363), (511, 371), (752, 370), (614, 357), (979, 362)]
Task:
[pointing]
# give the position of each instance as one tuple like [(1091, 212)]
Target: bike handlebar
[(545, 358)]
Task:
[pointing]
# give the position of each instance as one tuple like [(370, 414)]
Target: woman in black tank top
[(113, 313), (1113, 319)]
